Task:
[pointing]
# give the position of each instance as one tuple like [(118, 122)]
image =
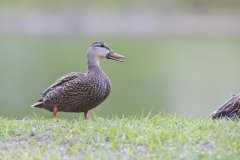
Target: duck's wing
[(64, 79), (229, 109)]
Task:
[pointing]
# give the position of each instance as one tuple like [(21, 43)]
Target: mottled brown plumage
[(80, 92), (230, 109)]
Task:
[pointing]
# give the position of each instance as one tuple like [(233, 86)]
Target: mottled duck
[(80, 92), (230, 109)]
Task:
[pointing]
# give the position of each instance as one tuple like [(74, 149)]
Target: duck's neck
[(93, 63)]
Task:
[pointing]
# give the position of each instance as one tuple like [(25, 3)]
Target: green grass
[(158, 136)]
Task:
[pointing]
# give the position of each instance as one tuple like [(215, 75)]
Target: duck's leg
[(86, 115), (54, 113)]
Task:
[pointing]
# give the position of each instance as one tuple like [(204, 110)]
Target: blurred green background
[(182, 55)]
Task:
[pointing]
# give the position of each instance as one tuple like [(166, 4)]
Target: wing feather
[(64, 79)]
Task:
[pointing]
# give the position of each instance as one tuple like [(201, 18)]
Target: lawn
[(158, 136)]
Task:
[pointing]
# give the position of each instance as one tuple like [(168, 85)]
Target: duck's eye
[(102, 46)]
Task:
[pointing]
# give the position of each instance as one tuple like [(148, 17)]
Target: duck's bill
[(115, 56)]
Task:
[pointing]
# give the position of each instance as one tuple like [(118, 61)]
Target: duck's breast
[(98, 91)]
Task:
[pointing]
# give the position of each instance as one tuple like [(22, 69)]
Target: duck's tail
[(37, 105), (229, 110)]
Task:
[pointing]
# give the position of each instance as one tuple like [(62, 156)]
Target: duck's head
[(101, 50)]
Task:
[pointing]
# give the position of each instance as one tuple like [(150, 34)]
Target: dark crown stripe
[(99, 44)]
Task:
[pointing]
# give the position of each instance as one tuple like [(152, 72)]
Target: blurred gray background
[(182, 55)]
